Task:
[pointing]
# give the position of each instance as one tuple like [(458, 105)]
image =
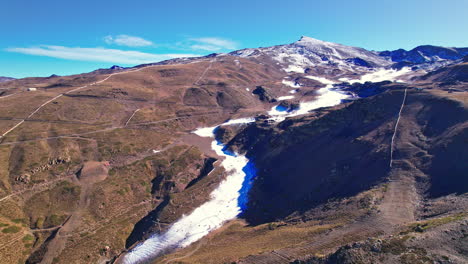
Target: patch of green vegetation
[(28, 237), (55, 220), (272, 226), (123, 191), (11, 229), (3, 225), (60, 168), (72, 190), (19, 221), (29, 245), (424, 225), (40, 222)]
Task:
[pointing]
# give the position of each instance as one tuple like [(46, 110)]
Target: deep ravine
[(230, 198)]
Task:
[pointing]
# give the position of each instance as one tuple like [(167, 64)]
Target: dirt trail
[(91, 173), (130, 118), (78, 135), (204, 72), (392, 145), (6, 96), (68, 92)]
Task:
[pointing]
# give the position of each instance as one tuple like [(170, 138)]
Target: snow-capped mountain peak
[(312, 41)]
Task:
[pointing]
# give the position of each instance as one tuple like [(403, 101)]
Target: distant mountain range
[(333, 56), (6, 79)]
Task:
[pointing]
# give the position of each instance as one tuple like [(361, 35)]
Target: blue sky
[(40, 38)]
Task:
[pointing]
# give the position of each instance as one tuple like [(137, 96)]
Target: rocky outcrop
[(264, 94), (359, 62), (26, 177), (366, 89), (439, 243), (302, 81), (289, 105)]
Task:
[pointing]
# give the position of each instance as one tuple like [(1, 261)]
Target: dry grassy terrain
[(89, 162)]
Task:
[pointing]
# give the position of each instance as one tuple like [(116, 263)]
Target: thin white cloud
[(212, 44), (205, 47), (97, 54), (126, 40)]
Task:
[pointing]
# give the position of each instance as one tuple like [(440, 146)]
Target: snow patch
[(226, 202), (205, 131), (379, 76), (295, 68), (293, 91), (291, 84), (321, 79), (287, 97), (327, 97)]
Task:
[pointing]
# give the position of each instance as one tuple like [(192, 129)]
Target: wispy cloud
[(212, 44), (97, 54), (126, 40)]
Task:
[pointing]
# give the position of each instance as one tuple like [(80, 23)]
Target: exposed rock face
[(225, 133), (289, 105), (414, 246), (359, 62), (302, 81), (264, 95), (26, 177), (366, 89)]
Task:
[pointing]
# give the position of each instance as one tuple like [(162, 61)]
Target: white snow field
[(379, 76), (327, 97), (222, 206), (290, 84)]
